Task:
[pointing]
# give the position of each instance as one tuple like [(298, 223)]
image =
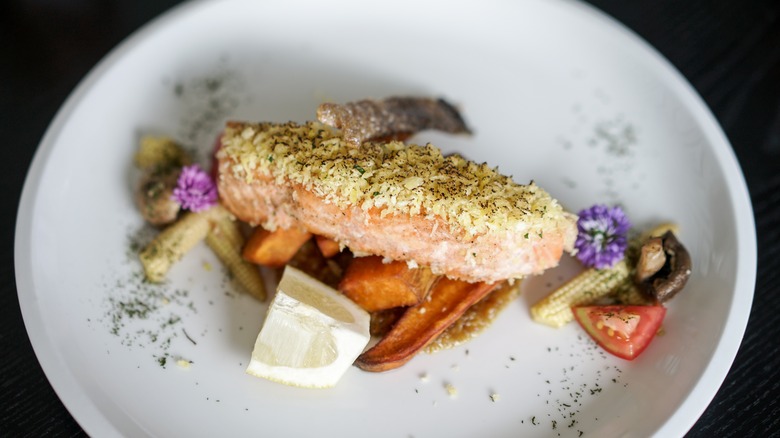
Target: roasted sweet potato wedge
[(375, 285), (328, 247), (421, 324), (274, 248), (382, 321), (476, 319)]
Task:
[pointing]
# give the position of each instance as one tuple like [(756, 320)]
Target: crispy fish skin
[(402, 202), (372, 119)]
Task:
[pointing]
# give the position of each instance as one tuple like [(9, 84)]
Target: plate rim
[(732, 332), (62, 381)]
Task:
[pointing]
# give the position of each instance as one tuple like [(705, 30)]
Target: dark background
[(728, 49)]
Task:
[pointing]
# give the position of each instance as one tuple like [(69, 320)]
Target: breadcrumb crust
[(393, 177)]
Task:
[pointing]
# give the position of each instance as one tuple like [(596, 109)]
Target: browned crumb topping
[(393, 177)]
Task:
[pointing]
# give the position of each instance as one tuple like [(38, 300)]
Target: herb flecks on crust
[(393, 177)]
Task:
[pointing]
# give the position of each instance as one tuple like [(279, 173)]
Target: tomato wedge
[(624, 331)]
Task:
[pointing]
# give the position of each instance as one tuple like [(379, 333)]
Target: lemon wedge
[(311, 335)]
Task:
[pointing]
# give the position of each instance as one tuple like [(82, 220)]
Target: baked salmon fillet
[(403, 202)]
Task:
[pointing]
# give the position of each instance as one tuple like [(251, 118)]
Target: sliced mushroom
[(154, 197), (673, 274), (651, 259)]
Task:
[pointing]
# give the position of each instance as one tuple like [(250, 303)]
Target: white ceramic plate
[(555, 91)]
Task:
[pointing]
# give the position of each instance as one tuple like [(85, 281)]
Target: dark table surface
[(728, 49)]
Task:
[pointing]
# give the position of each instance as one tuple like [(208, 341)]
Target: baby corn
[(176, 240), (226, 240), (588, 286)]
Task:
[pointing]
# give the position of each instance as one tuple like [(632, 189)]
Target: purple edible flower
[(602, 236), (195, 190)]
